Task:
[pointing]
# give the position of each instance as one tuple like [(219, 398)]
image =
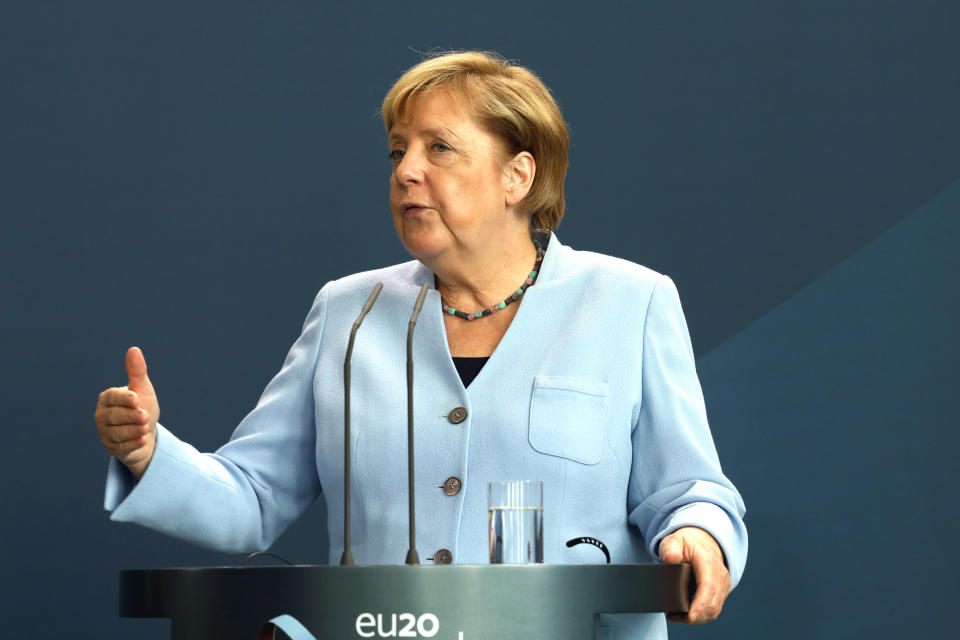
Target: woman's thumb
[(137, 371), (671, 549)]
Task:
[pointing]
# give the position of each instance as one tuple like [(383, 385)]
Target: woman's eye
[(441, 147), (396, 155)]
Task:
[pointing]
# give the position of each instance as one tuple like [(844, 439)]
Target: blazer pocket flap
[(568, 417)]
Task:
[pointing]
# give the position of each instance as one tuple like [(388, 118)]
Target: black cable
[(257, 554), (592, 541)]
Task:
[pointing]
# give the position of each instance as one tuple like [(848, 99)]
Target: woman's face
[(448, 188)]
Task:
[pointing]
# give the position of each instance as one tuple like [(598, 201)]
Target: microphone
[(347, 557), (412, 556)]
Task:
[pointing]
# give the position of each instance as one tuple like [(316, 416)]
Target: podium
[(456, 602)]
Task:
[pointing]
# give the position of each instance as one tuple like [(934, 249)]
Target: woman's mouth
[(413, 208)]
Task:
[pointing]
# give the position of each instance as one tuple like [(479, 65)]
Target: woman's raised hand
[(126, 417)]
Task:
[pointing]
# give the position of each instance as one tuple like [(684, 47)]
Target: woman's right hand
[(127, 416)]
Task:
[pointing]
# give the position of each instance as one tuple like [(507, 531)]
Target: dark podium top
[(487, 602)]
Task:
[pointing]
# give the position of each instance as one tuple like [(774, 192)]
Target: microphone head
[(419, 304)]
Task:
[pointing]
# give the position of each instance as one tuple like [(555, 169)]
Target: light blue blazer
[(592, 390)]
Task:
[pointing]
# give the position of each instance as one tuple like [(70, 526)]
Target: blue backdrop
[(185, 176)]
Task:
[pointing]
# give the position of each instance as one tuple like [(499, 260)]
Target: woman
[(534, 361)]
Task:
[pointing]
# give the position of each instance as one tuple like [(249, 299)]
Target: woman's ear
[(520, 172)]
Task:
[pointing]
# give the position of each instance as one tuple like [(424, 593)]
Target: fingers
[(122, 430), (120, 415), (696, 546), (128, 446), (713, 586), (118, 397), (119, 442), (123, 433), (128, 443), (118, 406), (121, 424)]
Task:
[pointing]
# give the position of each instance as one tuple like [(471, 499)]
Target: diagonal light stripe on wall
[(835, 414)]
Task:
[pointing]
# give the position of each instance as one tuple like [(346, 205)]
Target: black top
[(468, 368)]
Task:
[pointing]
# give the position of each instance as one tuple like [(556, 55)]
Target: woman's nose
[(410, 169)]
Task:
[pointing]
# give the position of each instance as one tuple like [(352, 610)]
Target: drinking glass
[(516, 522)]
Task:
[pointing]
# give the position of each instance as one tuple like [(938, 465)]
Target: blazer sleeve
[(676, 479), (242, 497)]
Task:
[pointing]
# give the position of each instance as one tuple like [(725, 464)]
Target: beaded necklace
[(501, 305)]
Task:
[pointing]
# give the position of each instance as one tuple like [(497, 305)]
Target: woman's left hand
[(696, 546)]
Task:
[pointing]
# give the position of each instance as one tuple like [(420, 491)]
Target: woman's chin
[(424, 246)]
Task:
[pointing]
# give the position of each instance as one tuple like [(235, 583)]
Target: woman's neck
[(482, 278)]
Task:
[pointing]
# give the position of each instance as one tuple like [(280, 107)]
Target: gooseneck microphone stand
[(412, 556), (347, 557)]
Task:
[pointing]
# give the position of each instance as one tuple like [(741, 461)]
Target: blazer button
[(451, 486), (443, 556), (457, 416)]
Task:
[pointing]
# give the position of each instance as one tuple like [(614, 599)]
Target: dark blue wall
[(184, 176)]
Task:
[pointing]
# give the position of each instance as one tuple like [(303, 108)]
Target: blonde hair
[(512, 103)]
